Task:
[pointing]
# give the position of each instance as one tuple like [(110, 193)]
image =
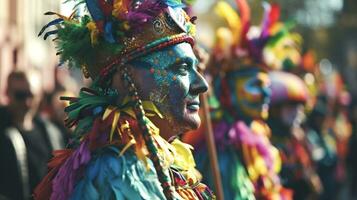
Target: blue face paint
[(169, 78), (250, 93)]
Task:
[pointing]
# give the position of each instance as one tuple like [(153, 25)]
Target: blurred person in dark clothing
[(26, 140), (351, 160), (320, 133), (52, 108)]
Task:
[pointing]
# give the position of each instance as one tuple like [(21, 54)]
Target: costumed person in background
[(342, 129), (26, 139), (286, 114), (248, 162), (328, 131), (289, 96), (351, 158), (145, 92), (323, 147)]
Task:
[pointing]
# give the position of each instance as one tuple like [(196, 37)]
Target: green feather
[(74, 43)]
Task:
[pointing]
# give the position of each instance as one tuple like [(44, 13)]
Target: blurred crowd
[(31, 128)]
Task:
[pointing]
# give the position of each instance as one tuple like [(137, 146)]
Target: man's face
[(292, 113), (169, 79), (250, 93), (20, 95)]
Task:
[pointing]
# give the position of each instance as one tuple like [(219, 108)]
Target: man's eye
[(257, 83), (182, 68)]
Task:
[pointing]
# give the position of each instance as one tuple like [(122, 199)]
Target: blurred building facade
[(20, 48)]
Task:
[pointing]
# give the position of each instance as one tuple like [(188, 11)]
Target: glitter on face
[(175, 85)]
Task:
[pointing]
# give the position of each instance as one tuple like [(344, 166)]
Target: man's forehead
[(19, 81), (18, 84), (173, 54)]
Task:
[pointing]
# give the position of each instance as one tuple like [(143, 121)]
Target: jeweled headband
[(117, 31)]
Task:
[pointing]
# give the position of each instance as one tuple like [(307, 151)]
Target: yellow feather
[(150, 106), (183, 158), (118, 8), (94, 32), (114, 124), (107, 112), (224, 10), (126, 147)]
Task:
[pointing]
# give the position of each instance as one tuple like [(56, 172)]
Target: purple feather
[(63, 183), (144, 11), (266, 20), (220, 130), (241, 133), (255, 48)]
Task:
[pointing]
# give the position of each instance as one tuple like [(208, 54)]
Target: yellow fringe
[(94, 32)]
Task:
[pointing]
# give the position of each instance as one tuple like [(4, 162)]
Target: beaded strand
[(153, 152)]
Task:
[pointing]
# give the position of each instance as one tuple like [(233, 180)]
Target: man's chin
[(193, 120)]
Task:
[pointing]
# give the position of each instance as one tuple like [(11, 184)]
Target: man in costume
[(286, 114), (144, 94), (248, 162)]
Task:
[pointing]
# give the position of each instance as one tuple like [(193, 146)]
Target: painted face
[(292, 114), (169, 78), (251, 93)]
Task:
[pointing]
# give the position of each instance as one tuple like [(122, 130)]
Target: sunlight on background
[(319, 12)]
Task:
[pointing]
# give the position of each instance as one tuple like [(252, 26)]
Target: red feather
[(44, 189), (274, 14), (244, 12)]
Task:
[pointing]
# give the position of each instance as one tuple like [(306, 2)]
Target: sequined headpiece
[(117, 31)]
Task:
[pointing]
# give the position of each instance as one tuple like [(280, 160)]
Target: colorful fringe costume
[(117, 152), (249, 163)]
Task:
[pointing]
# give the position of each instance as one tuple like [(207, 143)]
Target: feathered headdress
[(117, 31), (240, 45)]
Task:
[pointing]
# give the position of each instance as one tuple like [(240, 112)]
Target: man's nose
[(199, 84)]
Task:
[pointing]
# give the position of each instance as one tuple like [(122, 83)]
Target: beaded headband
[(117, 31)]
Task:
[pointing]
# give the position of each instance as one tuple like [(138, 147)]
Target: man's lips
[(193, 106)]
